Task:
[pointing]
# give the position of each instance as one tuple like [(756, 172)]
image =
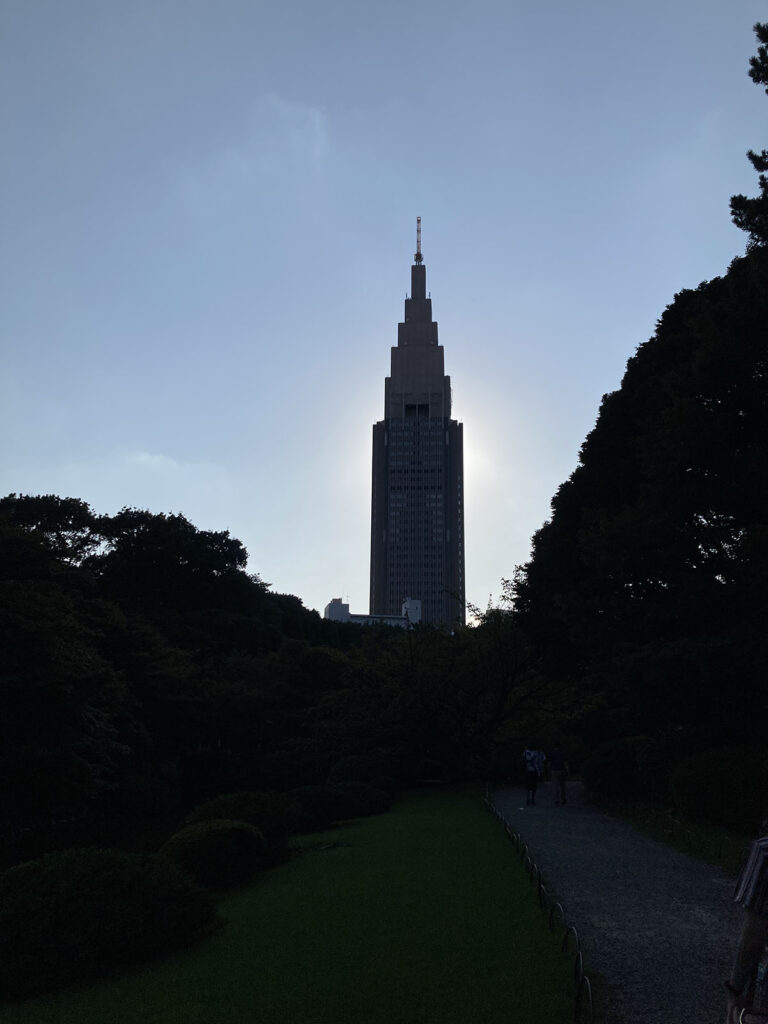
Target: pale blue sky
[(208, 219)]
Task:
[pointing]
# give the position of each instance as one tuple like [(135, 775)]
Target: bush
[(271, 814), (431, 770), (365, 799), (385, 783), (360, 768), (725, 786), (217, 852), (317, 807), (72, 915), (622, 769)]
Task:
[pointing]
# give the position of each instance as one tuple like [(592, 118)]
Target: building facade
[(417, 505), (410, 615)]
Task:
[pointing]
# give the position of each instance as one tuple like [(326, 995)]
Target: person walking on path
[(533, 760), (748, 984), (559, 768)]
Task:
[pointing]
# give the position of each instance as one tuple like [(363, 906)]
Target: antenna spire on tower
[(418, 258)]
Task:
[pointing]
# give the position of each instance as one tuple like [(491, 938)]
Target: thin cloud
[(285, 143)]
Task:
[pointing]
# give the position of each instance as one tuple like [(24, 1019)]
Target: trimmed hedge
[(217, 852), (271, 813), (360, 768), (385, 783), (72, 915), (365, 799), (317, 807)]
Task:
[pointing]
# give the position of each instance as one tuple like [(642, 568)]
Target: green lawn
[(420, 916)]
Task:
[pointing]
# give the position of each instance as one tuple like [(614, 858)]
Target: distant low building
[(338, 611)]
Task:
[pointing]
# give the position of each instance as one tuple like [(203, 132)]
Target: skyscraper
[(417, 506)]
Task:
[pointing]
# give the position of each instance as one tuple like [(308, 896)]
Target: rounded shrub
[(360, 768), (271, 813), (365, 799), (727, 786), (385, 783), (317, 807), (217, 852), (72, 915)]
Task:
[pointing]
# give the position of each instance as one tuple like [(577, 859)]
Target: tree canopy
[(145, 670), (751, 215), (647, 587)]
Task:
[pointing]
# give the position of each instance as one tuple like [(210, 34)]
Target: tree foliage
[(751, 215), (647, 587), (63, 701), (145, 670), (67, 525)]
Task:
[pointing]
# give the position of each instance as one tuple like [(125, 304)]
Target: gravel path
[(659, 926)]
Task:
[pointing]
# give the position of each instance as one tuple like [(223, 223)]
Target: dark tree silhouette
[(752, 214), (647, 588)]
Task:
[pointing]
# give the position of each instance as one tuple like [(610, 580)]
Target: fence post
[(583, 985)]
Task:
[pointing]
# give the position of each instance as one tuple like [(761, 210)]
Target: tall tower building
[(417, 507)]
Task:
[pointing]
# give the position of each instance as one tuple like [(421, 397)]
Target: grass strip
[(420, 916)]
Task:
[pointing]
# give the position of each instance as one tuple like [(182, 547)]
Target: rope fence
[(583, 1012)]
